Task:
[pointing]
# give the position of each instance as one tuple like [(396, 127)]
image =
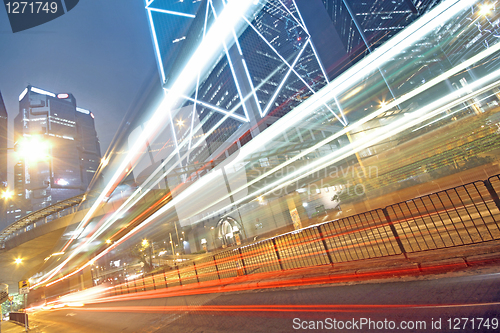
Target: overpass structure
[(40, 217)]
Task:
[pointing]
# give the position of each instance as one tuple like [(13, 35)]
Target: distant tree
[(143, 253)]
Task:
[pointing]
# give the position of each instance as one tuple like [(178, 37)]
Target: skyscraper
[(365, 25), (3, 161), (285, 52), (3, 144), (57, 149)]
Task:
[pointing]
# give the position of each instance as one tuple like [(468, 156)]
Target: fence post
[(277, 253), (154, 282), (179, 274), (394, 232), (143, 283), (196, 272), (216, 268), (242, 261), (165, 278), (493, 193), (324, 244)]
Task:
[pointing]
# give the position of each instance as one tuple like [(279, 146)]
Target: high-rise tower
[(3, 162), (3, 144), (365, 25), (284, 52), (57, 149)]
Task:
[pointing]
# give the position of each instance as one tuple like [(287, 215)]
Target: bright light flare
[(104, 162), (486, 8), (18, 261), (34, 149), (7, 194)]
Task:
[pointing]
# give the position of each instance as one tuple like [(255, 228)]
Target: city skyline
[(57, 152), (271, 150), (69, 54)]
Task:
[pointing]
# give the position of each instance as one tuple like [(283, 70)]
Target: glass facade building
[(71, 152), (274, 66), (3, 144), (365, 25), (287, 52), (3, 161)]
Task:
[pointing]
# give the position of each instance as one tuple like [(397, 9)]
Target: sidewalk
[(11, 327)]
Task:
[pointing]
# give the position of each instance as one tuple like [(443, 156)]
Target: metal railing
[(20, 317), (463, 215)]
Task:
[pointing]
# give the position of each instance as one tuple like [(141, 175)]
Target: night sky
[(100, 51)]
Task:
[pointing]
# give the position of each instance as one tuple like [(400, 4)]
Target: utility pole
[(172, 244), (177, 233)]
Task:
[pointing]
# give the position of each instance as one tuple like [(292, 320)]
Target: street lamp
[(33, 149), (485, 9), (7, 195), (18, 261)]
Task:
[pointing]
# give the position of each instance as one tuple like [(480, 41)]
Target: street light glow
[(7, 194), (104, 161), (18, 261), (33, 149), (145, 242), (486, 8)]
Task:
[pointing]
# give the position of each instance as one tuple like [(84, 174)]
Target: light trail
[(294, 309), (260, 281), (299, 115), (390, 130), (198, 63)]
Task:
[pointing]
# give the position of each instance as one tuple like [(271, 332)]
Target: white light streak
[(25, 91), (42, 92), (82, 110), (282, 83), (171, 12)]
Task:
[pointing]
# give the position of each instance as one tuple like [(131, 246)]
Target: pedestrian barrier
[(19, 317), (463, 215)]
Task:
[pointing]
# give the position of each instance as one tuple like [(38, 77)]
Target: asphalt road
[(456, 302)]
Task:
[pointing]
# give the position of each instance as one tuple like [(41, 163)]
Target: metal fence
[(467, 214), (20, 317)]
